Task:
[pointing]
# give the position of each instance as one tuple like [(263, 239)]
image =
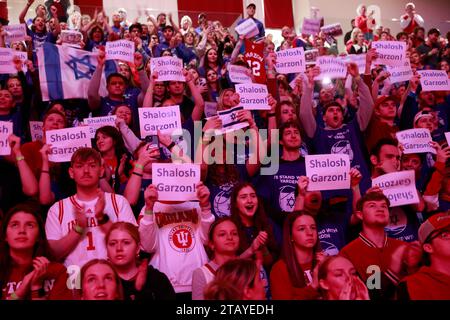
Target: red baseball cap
[(384, 98), (436, 222)]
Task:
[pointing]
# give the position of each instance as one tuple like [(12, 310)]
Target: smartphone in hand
[(153, 142)]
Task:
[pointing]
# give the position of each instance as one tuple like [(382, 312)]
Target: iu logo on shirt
[(181, 238)]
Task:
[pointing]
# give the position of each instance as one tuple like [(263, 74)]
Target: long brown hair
[(220, 174), (296, 273), (119, 151), (41, 247), (231, 280), (260, 220)]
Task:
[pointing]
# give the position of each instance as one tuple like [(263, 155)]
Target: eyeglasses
[(443, 234)]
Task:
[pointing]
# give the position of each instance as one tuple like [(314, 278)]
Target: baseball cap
[(422, 114), (251, 5), (382, 99), (434, 223)]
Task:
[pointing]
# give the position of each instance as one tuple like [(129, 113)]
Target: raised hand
[(311, 74), (14, 143), (101, 57), (355, 177), (259, 241), (383, 75), (353, 70), (371, 55), (138, 59), (361, 290), (45, 151), (18, 63), (442, 154), (211, 124), (148, 156), (203, 195), (272, 103), (80, 216), (246, 115), (40, 266), (164, 139), (99, 207), (414, 82), (188, 76), (150, 197), (302, 185)]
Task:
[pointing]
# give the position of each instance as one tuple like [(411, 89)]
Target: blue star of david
[(291, 202), (233, 116), (74, 64)]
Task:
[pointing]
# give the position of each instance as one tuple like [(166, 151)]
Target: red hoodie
[(428, 284)]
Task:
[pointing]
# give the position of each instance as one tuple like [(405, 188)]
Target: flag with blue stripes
[(65, 72)]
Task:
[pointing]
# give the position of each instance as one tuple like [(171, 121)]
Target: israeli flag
[(65, 72)]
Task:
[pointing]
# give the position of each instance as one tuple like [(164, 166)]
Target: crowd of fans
[(93, 228)]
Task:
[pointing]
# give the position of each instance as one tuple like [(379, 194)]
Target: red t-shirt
[(33, 157), (428, 284), (54, 284)]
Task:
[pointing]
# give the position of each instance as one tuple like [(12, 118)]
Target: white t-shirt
[(176, 234), (61, 219)]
